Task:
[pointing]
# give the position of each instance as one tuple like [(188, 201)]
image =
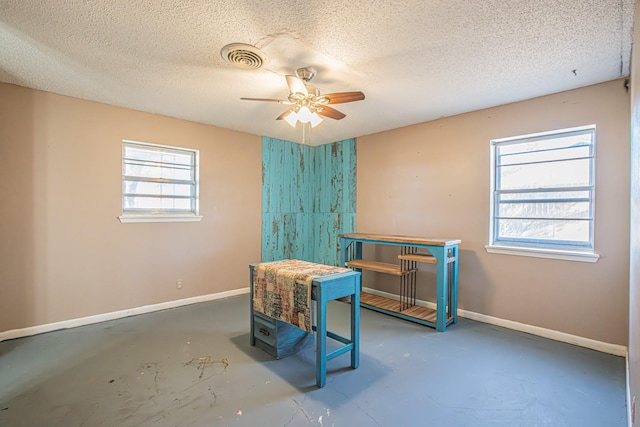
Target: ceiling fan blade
[(312, 90), (281, 116), (332, 113), (342, 97), (263, 99), (296, 85)]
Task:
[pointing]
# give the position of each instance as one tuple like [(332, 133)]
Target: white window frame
[(129, 216), (570, 251)]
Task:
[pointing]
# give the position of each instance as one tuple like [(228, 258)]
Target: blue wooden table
[(441, 252), (323, 290)]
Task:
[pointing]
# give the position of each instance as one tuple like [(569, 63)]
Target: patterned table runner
[(282, 289)]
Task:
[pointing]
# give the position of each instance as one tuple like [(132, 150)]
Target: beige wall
[(63, 252), (634, 282), (432, 179)]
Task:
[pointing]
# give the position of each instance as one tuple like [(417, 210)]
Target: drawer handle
[(264, 332)]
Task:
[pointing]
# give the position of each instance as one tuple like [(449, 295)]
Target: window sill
[(159, 218), (544, 253)]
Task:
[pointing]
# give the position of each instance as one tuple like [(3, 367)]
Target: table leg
[(355, 324), (321, 337), (252, 339), (454, 284), (441, 289)]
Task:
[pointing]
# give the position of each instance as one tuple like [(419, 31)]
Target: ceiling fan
[(307, 104)]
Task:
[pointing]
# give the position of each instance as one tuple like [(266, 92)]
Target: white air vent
[(243, 56)]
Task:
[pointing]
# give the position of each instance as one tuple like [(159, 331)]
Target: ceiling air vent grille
[(243, 56)]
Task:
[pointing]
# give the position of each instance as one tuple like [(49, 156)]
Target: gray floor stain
[(202, 363)]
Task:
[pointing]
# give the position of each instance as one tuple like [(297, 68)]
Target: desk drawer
[(278, 338), (264, 319), (265, 330)]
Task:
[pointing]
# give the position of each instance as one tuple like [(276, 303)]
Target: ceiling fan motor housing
[(306, 73)]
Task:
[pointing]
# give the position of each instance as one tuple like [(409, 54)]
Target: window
[(159, 183), (542, 191)]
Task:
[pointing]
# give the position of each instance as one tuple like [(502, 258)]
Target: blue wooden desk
[(265, 330), (441, 252)]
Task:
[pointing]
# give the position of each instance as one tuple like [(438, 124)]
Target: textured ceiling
[(416, 60)]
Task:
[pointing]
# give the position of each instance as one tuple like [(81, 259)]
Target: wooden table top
[(401, 239)]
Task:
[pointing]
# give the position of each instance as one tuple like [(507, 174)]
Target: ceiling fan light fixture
[(291, 118), (304, 115), (315, 119)]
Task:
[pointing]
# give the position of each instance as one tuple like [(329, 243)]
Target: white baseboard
[(615, 349), (73, 323)]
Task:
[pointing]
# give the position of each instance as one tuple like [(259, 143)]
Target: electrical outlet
[(179, 284)]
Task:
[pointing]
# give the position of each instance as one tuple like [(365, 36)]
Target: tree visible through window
[(158, 180), (543, 189)]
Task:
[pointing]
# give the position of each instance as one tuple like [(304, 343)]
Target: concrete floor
[(193, 366)]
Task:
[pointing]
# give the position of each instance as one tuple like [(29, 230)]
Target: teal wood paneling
[(287, 236), (269, 160), (327, 227), (335, 179), (334, 210), (286, 177), (308, 199), (349, 175)]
